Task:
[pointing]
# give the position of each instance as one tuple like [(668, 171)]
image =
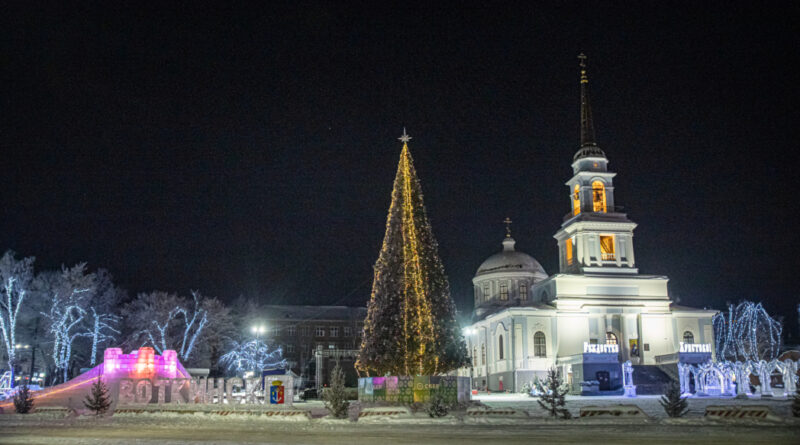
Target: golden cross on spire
[(405, 137), (507, 222)]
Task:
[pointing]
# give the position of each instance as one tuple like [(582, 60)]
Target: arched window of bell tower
[(599, 196), (576, 200)]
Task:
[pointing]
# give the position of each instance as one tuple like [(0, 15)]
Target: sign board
[(589, 348), (695, 347)]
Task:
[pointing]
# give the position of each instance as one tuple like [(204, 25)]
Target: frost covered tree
[(15, 278), (552, 394), (747, 332), (166, 321), (254, 355), (335, 397), (69, 292), (102, 322), (411, 326)]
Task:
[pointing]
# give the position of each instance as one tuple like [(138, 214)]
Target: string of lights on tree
[(254, 355), (746, 332), (411, 325)]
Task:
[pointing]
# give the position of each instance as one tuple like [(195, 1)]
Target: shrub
[(437, 406), (23, 400), (671, 400), (335, 397)]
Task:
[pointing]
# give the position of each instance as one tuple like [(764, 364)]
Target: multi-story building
[(301, 330)]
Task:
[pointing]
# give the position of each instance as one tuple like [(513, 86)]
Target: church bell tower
[(595, 237)]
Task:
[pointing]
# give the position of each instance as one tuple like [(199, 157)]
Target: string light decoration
[(746, 332), (411, 326), (254, 355)]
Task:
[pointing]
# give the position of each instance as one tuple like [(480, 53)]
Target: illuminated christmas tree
[(411, 326)]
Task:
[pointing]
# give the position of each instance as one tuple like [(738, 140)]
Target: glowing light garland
[(9, 310), (100, 324), (66, 315), (410, 326), (193, 327), (254, 355), (746, 332)]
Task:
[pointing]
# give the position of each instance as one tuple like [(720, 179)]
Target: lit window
[(599, 196), (688, 337), (568, 246), (319, 332), (331, 346), (504, 292), (539, 345), (523, 292), (500, 348), (611, 338), (347, 331), (576, 200), (607, 247)]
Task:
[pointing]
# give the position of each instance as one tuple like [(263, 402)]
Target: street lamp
[(258, 330)]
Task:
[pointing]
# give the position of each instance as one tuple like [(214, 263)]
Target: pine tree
[(335, 396), (552, 394), (23, 400), (796, 403), (671, 400), (98, 401), (411, 326)]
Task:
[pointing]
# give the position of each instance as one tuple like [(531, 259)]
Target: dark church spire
[(587, 126), (589, 146)]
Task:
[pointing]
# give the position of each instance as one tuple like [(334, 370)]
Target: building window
[(290, 348), (688, 337), (347, 331), (611, 338), (647, 346), (539, 345), (474, 356), (576, 200), (500, 348), (276, 331), (334, 332), (607, 247), (485, 292), (599, 196), (304, 331), (523, 292), (292, 331), (568, 247), (483, 354), (504, 292), (319, 332), (331, 346)]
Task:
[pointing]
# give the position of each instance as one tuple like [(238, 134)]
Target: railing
[(615, 209), (608, 256)]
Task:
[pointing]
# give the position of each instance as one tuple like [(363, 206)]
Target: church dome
[(510, 260)]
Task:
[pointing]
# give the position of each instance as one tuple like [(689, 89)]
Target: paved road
[(170, 431)]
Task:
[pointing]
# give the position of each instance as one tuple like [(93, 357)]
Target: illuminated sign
[(695, 347), (589, 348)]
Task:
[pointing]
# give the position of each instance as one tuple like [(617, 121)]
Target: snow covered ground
[(171, 428), (648, 404)]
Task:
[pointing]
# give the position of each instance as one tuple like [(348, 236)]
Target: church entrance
[(604, 379)]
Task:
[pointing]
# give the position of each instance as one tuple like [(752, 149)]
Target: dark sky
[(253, 151)]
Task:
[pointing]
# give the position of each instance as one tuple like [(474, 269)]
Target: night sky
[(252, 152)]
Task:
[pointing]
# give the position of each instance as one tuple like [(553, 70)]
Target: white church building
[(596, 313)]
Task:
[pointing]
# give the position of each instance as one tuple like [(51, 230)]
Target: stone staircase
[(650, 379)]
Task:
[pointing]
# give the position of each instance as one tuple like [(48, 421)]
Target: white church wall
[(572, 330), (658, 337)]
